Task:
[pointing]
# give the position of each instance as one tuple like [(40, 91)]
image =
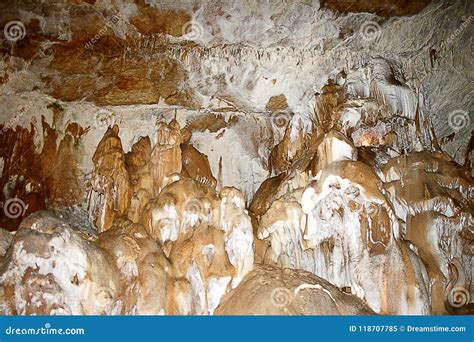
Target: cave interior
[(237, 157)]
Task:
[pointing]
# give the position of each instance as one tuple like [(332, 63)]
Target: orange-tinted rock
[(143, 267), (138, 157), (433, 196), (202, 260), (184, 98), (211, 122), (327, 103), (110, 180), (138, 166), (36, 179), (179, 207), (196, 165), (100, 65), (285, 153), (277, 103), (151, 20), (264, 196), (128, 90), (166, 155), (209, 240), (76, 88), (386, 8), (271, 290), (73, 59)]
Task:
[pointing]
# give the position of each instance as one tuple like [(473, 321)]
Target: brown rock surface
[(50, 269), (110, 180), (277, 103), (386, 8), (269, 290)]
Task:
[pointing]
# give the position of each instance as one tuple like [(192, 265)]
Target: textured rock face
[(269, 290), (302, 157), (110, 179), (342, 228), (144, 269), (434, 199), (50, 269)]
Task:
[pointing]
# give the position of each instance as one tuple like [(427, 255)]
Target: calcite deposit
[(236, 157)]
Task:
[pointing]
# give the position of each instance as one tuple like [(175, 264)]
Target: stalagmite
[(208, 238), (332, 147), (237, 226), (166, 155), (295, 140), (321, 162), (347, 208), (50, 269), (110, 179), (202, 261), (145, 271), (434, 199), (339, 225), (138, 166), (196, 165), (270, 290), (181, 206)]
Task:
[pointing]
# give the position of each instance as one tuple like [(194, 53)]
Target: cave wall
[(106, 104)]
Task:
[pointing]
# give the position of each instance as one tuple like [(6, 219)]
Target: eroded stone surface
[(270, 290), (176, 148)]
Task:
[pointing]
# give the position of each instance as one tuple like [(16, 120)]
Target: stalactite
[(166, 155), (317, 165), (110, 179)]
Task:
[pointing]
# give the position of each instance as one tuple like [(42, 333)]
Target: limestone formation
[(269, 290), (49, 269), (165, 157), (144, 269), (110, 179), (434, 198), (340, 225), (236, 157)]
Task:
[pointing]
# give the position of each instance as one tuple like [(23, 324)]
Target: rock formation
[(433, 197), (229, 157), (269, 290), (110, 179), (50, 269)]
